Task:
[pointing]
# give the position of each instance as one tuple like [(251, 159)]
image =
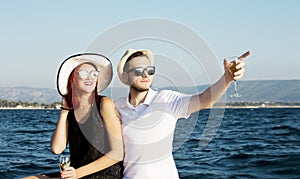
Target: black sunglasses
[(140, 71)]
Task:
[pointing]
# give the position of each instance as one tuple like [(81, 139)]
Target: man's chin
[(140, 89)]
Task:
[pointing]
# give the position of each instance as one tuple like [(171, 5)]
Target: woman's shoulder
[(106, 102)]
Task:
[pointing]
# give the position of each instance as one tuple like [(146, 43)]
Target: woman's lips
[(88, 83)]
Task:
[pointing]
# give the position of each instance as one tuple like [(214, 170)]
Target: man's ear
[(125, 77)]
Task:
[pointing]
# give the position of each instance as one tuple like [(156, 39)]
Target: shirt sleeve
[(177, 103)]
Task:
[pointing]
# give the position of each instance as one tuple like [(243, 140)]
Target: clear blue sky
[(36, 36)]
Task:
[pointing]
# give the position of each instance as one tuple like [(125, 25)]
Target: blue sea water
[(248, 143)]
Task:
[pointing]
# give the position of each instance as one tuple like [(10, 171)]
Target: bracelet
[(64, 108)]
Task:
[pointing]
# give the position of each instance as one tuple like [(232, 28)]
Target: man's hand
[(235, 70)]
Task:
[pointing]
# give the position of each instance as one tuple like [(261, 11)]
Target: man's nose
[(145, 74)]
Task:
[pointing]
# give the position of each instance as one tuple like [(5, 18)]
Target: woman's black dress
[(88, 141)]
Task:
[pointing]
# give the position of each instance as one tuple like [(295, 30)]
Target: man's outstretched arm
[(212, 94)]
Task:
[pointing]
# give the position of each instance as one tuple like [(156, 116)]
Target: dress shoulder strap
[(99, 101)]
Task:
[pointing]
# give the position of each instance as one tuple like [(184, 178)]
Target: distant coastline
[(27, 108), (261, 107), (37, 107), (226, 107), (251, 91)]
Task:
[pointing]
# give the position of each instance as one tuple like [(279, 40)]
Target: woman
[(88, 122)]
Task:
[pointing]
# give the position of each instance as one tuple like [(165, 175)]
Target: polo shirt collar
[(150, 95)]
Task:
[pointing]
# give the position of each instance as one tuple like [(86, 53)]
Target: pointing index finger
[(245, 55)]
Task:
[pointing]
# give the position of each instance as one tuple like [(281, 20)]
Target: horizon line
[(124, 86)]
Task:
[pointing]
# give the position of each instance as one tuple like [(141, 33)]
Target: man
[(149, 117)]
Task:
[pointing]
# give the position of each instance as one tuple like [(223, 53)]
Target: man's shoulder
[(168, 92), (120, 101), (161, 93), (171, 95)]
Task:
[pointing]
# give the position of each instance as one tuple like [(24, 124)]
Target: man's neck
[(137, 97)]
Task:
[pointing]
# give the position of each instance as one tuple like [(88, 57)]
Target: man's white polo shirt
[(148, 131)]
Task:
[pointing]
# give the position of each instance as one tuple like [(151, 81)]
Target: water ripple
[(256, 143)]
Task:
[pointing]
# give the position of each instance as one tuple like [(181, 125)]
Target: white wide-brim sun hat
[(125, 57), (102, 63)]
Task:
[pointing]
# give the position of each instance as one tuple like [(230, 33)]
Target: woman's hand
[(69, 173), (64, 102)]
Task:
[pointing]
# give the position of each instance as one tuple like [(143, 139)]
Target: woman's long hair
[(72, 95)]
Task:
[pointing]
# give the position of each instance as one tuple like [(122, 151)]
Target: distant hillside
[(251, 91), (28, 94), (260, 91), (267, 90)]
